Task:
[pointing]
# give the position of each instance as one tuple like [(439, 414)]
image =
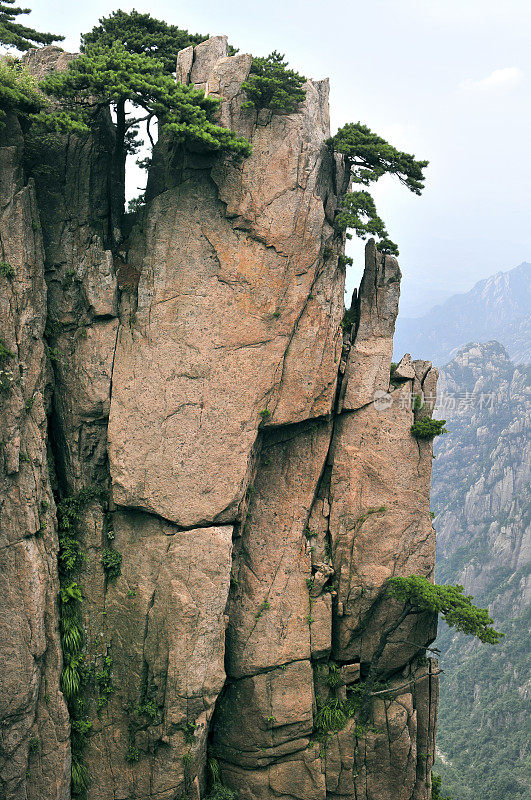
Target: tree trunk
[(118, 176)]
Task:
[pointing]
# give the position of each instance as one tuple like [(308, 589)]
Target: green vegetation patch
[(455, 607), (428, 429), (75, 675), (358, 213), (216, 788), (368, 157), (6, 269), (15, 34), (142, 34), (272, 85), (112, 563)]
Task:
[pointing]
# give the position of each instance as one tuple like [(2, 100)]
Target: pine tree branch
[(413, 680)]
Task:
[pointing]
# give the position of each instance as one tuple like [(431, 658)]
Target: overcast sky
[(447, 80)]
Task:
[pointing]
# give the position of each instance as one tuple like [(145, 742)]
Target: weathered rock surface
[(367, 369), (405, 370), (270, 608), (236, 328), (394, 759), (165, 631), (251, 499), (35, 730), (380, 482), (266, 716)]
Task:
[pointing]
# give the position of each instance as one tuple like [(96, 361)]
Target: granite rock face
[(244, 474), (367, 369), (35, 728), (239, 324), (164, 622)]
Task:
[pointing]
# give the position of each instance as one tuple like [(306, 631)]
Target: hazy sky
[(447, 80)]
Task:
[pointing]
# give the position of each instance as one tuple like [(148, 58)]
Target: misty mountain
[(495, 308), (480, 494)]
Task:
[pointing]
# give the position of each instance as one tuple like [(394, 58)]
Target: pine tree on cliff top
[(142, 34), (368, 158), (14, 34), (272, 85), (132, 77)]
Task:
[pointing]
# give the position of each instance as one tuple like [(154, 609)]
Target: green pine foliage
[(387, 247), (419, 596), (456, 608), (272, 85), (436, 781), (428, 429), (137, 204), (14, 34), (109, 76), (19, 91), (106, 76), (358, 212), (141, 34), (370, 157), (350, 317)]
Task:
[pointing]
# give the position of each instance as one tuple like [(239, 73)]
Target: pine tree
[(358, 212), (14, 34), (368, 158), (138, 88), (272, 85), (455, 607), (419, 596), (142, 34), (428, 429)]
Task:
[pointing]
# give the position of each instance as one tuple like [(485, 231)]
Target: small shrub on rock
[(112, 563), (6, 270), (428, 429), (217, 790), (19, 91)]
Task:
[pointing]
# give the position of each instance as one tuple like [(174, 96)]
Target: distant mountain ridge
[(495, 308), (481, 497)]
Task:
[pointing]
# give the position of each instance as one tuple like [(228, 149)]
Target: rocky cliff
[(193, 456)]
